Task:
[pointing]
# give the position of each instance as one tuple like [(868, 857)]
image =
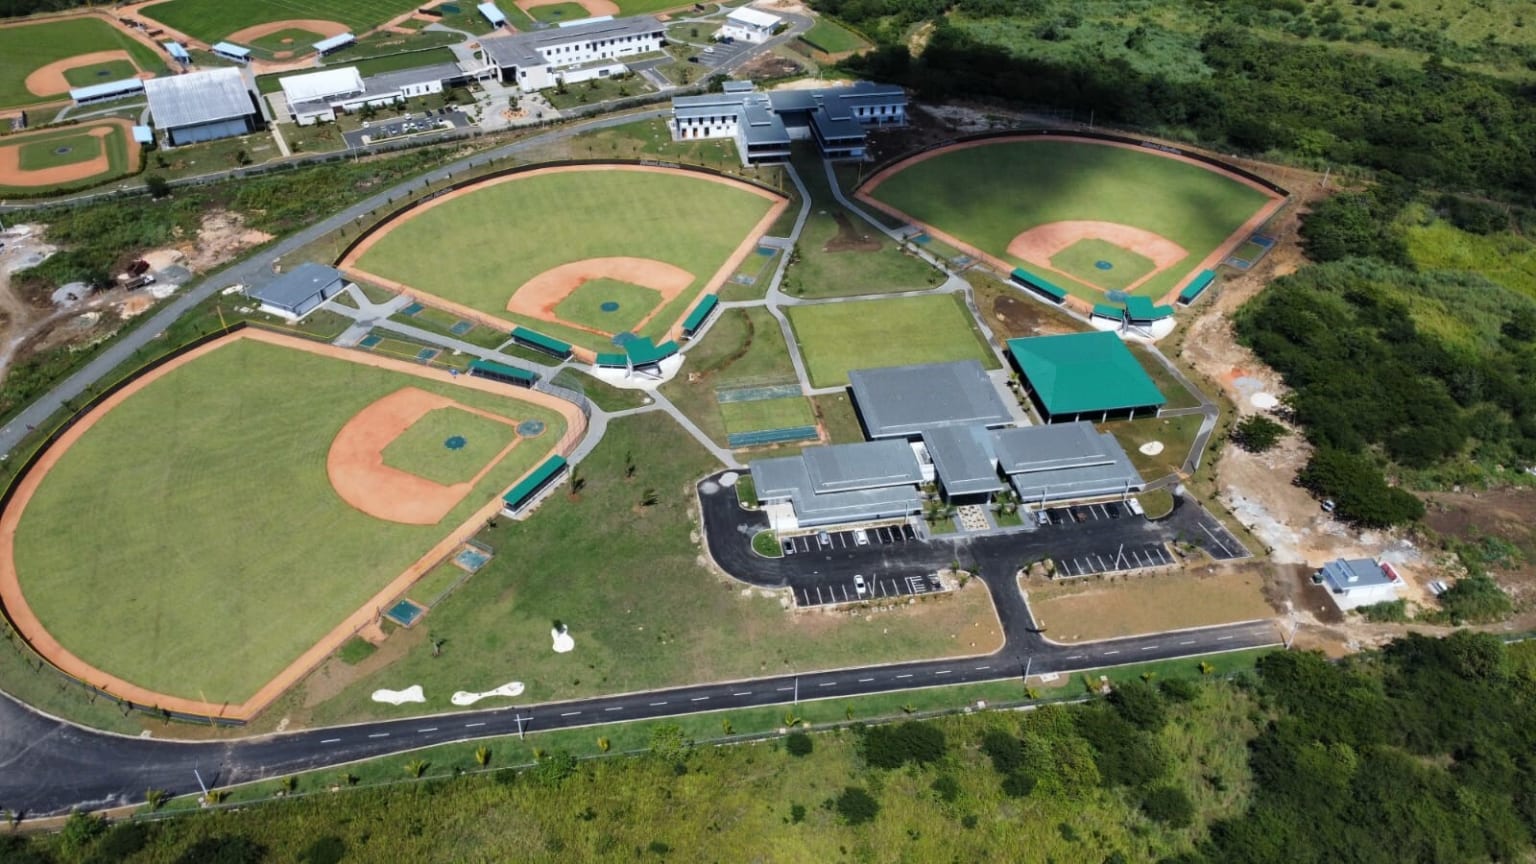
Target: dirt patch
[(281, 55), (355, 462), (1508, 514), (1084, 610), (49, 80), (538, 297), (768, 67), (221, 237), (325, 29), (595, 8), (334, 676), (848, 238), (12, 174)]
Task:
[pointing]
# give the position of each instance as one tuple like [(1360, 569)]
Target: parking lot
[(1121, 558), (831, 541), (1085, 513), (721, 54), (874, 588), (415, 123)]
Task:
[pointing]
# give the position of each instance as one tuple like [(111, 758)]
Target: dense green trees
[(1257, 433)]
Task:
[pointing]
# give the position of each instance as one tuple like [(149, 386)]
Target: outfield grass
[(100, 73), (1081, 259), (833, 38), (584, 305), (191, 541), (36, 45), (38, 155), (743, 346), (867, 334), (987, 195), (539, 221), (212, 20), (424, 449), (559, 12), (406, 60), (766, 414), (627, 581)]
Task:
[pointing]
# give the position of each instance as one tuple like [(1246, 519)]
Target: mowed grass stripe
[(191, 542), (33, 46), (479, 248), (212, 20), (423, 449), (987, 195), (867, 334)]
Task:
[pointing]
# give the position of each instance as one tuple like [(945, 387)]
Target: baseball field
[(867, 334), (206, 534), (1096, 217), (66, 156), (44, 59), (213, 20), (580, 253)]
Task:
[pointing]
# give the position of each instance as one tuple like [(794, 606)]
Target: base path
[(538, 297), (355, 462), (50, 81), (30, 628), (1040, 244), (866, 191), (12, 174)]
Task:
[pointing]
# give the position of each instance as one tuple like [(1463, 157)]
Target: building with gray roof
[(837, 118), (1354, 582), (963, 461), (201, 106), (843, 482), (1063, 462), (299, 291), (574, 52), (906, 401)]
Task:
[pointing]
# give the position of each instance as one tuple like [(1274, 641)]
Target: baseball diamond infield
[(518, 249), (236, 463), (1027, 200), (38, 52), (64, 155)]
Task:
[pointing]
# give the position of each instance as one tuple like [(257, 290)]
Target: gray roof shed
[(292, 289), (1063, 461), (198, 97), (900, 401), (962, 457)]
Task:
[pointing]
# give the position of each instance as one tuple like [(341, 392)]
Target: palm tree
[(416, 767), (726, 727), (437, 643), (155, 797), (791, 720), (1206, 667), (1031, 693), (629, 465), (482, 756), (1147, 676), (578, 482), (603, 744), (908, 708), (648, 498), (216, 796)]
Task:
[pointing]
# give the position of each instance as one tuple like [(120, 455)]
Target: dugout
[(539, 342), (1196, 287), (1040, 286), (707, 305), (502, 372), (529, 488)]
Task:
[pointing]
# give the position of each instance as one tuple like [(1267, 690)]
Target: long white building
[(315, 97), (581, 50)]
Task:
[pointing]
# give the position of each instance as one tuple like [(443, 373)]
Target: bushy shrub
[(897, 744), (856, 806)]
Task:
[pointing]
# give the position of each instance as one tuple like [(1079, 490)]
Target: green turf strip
[(191, 541), (427, 448), (837, 337)]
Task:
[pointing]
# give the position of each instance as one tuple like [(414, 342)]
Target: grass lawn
[(1080, 610), (1177, 394), (626, 580), (838, 418), (608, 305), (100, 73), (76, 147), (1082, 261), (867, 334), (745, 346), (212, 20), (645, 139), (36, 45), (319, 138), (604, 395), (767, 414), (1504, 257), (841, 255), (987, 195), (1157, 503), (449, 445), (216, 556), (833, 38), (36, 152), (559, 12), (406, 60), (540, 221), (1177, 435), (596, 89)]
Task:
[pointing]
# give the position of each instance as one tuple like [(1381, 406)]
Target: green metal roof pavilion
[(1084, 373)]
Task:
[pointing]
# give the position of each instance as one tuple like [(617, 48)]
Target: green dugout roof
[(1044, 286), (1197, 286), (539, 340), (616, 360), (1108, 310), (1084, 373), (502, 370), (530, 484), (1141, 309), (643, 351), (699, 313)]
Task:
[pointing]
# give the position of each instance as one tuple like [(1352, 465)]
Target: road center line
[(1222, 638), (1107, 653), (903, 676), (614, 709), (743, 693), (379, 735), (782, 689), (1076, 657), (1149, 648), (570, 714), (426, 730), (331, 741), (699, 699), (982, 668), (1187, 642), (657, 704), (942, 672), (472, 725), (865, 680)]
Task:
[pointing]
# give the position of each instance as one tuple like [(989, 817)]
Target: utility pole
[(200, 784), (520, 718)]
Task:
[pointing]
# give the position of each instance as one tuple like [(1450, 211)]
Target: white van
[(861, 537)]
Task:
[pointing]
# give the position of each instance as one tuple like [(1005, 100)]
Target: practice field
[(867, 334), (213, 20), (99, 151), (761, 414), (449, 445), (193, 536), (37, 68), (549, 249), (1030, 201)]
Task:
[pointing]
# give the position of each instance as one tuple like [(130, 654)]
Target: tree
[(416, 767), (1257, 433), (1140, 704), (629, 465), (1169, 805), (667, 741), (155, 798), (158, 186), (578, 481), (894, 745), (1359, 490), (289, 783), (483, 756), (80, 829), (603, 744), (798, 744), (649, 498), (215, 796), (553, 769), (856, 806)]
